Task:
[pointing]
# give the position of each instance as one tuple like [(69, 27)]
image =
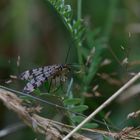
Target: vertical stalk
[(110, 19), (79, 16), (106, 34), (79, 9)]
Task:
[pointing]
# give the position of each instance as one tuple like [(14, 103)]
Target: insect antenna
[(71, 44), (67, 55), (68, 51)]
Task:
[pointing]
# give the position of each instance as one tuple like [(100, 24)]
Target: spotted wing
[(37, 79), (35, 82), (29, 74)]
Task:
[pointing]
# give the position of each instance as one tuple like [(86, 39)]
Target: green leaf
[(90, 125), (73, 101), (37, 92), (77, 119), (26, 99), (106, 138), (79, 108)]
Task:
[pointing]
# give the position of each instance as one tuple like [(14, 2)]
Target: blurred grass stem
[(79, 17)]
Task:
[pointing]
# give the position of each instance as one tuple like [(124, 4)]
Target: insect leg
[(61, 83)]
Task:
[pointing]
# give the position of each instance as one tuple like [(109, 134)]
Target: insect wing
[(29, 74), (38, 78), (35, 82)]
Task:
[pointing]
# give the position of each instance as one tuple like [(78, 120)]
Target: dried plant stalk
[(55, 130)]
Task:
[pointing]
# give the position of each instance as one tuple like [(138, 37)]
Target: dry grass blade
[(47, 127), (128, 133)]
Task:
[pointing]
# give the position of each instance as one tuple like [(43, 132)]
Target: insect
[(36, 77)]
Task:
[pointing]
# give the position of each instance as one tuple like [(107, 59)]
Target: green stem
[(79, 16), (110, 19), (106, 34), (79, 54), (79, 9)]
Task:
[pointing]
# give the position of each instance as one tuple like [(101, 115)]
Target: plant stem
[(106, 34), (79, 16), (79, 9), (110, 19)]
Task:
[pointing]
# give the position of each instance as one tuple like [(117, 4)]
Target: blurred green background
[(32, 30)]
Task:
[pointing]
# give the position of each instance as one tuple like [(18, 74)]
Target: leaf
[(37, 92), (79, 108), (73, 101), (77, 119), (106, 138), (90, 125), (26, 99)]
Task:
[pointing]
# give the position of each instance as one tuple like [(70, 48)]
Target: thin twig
[(108, 101)]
